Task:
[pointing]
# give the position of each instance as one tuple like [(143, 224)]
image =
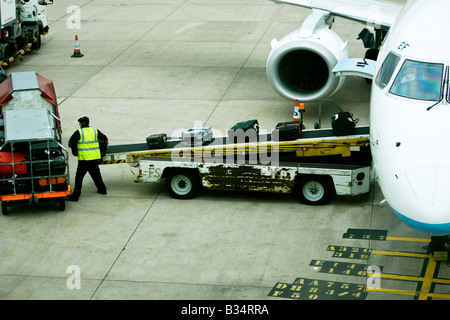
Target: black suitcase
[(287, 131), (57, 166), (40, 151), (40, 157), (296, 124), (157, 140), (248, 130), (343, 124), (7, 187)]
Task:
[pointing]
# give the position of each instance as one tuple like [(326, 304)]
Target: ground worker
[(85, 144)]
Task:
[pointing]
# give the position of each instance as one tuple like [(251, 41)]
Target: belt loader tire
[(183, 184), (314, 190)]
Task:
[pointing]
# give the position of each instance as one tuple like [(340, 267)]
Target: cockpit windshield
[(419, 80), (387, 69)]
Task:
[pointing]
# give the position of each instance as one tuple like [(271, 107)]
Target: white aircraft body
[(410, 98)]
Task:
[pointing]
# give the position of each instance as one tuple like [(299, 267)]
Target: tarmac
[(153, 66)]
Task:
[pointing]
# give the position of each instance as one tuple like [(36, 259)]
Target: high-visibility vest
[(88, 146)]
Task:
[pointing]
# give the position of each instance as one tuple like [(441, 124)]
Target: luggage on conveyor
[(198, 134), (290, 130), (343, 123), (156, 141), (244, 131)]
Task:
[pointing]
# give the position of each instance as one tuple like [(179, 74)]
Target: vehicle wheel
[(37, 44), (62, 203), (7, 51), (183, 184), (4, 208), (314, 190)]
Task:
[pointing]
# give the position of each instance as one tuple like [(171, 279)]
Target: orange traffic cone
[(76, 51)]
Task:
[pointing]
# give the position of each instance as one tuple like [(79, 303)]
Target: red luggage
[(6, 157)]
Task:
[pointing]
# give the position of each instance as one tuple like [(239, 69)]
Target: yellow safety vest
[(88, 146)]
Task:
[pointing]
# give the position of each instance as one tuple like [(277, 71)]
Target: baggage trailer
[(314, 166), (33, 164)]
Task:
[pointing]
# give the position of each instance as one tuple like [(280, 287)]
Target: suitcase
[(285, 133), (288, 130), (7, 188), (156, 141), (40, 151), (43, 184), (248, 129), (296, 124), (19, 169), (40, 154), (57, 166), (343, 124), (197, 134)]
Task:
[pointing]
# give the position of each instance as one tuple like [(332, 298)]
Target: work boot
[(72, 197), (103, 192)]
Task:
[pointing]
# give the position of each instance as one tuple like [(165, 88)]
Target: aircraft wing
[(372, 12)]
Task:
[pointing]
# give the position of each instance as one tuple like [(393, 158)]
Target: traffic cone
[(76, 51), (296, 116)]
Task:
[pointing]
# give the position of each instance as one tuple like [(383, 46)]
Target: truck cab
[(23, 23)]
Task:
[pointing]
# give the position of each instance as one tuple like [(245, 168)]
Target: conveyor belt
[(307, 134)]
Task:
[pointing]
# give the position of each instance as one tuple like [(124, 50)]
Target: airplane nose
[(431, 185), (428, 209)]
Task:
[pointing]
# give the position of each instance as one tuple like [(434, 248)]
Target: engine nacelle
[(300, 65)]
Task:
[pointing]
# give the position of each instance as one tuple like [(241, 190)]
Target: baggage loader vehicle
[(313, 164)]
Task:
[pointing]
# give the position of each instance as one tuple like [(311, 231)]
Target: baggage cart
[(34, 166)]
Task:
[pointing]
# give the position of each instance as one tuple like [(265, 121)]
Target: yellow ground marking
[(407, 239), (426, 280), (401, 254), (396, 291)]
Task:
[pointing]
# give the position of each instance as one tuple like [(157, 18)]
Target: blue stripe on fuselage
[(442, 229)]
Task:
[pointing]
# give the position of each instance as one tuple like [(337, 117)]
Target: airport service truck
[(313, 166), (34, 165), (23, 23)]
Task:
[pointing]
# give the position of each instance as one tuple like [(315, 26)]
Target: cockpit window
[(419, 80), (387, 69)]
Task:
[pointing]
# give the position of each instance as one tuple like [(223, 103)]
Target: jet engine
[(300, 65)]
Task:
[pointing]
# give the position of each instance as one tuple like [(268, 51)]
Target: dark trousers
[(92, 167)]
